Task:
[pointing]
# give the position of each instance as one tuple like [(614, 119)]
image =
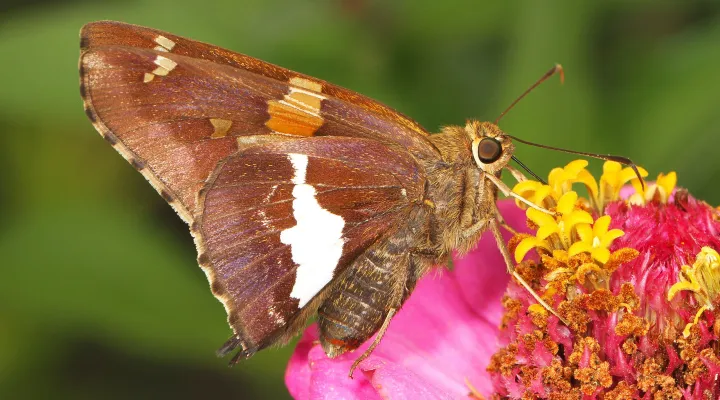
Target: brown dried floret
[(513, 307), (539, 316), (695, 369), (551, 345), (594, 377), (632, 325), (698, 366), (504, 360), (652, 380), (600, 300), (596, 373), (529, 270), (527, 374), (572, 394), (531, 339), (623, 391), (628, 297), (629, 346), (583, 344), (690, 345), (575, 314), (551, 262), (619, 257), (557, 376)]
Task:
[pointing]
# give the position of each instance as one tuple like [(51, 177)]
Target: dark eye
[(489, 150)]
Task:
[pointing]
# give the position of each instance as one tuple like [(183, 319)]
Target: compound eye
[(489, 150)]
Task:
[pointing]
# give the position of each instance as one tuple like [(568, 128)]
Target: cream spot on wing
[(306, 84), (165, 44), (221, 126), (316, 241), (148, 77), (165, 65)]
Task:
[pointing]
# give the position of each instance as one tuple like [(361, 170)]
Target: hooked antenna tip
[(560, 71)]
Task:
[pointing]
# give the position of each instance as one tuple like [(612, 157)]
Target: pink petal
[(330, 379), (297, 374), (395, 382)]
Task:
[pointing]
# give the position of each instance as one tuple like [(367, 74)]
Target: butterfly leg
[(504, 224), (495, 229), (474, 228), (230, 345), (373, 345)]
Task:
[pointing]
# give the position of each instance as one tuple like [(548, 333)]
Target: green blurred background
[(100, 295)]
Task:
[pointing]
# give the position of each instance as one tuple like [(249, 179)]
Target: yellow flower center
[(574, 231), (614, 177)]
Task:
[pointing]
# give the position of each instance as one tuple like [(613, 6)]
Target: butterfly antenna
[(539, 179), (556, 69), (606, 157)]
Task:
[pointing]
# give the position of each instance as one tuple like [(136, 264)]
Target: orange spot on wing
[(298, 113), (290, 120)]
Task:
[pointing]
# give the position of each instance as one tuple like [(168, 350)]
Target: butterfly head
[(492, 149)]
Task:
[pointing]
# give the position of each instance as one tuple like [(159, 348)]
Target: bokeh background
[(100, 295)]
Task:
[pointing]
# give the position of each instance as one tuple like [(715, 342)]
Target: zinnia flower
[(635, 274), (639, 287)]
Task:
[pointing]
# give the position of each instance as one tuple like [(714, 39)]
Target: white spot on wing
[(316, 241), (300, 163)]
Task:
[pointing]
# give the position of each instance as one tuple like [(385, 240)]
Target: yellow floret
[(702, 279), (595, 240), (660, 190)]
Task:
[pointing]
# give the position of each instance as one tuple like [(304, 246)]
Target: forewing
[(280, 221), (175, 107)]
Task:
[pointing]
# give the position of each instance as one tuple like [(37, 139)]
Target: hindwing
[(282, 221)]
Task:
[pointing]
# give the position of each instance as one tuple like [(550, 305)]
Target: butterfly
[(303, 198)]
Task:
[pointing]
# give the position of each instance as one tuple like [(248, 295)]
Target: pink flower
[(437, 346), (638, 285)]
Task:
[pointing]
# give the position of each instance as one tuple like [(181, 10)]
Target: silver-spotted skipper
[(303, 197)]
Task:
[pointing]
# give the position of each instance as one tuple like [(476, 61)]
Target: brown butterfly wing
[(269, 246), (175, 107)]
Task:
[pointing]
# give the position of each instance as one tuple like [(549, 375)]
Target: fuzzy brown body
[(252, 156)]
